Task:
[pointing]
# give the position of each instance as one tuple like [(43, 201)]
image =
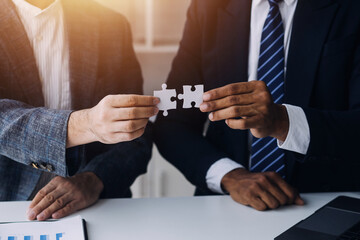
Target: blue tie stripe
[(263, 147), (275, 69), (270, 37), (265, 154), (274, 162), (275, 42), (264, 64), (266, 160)]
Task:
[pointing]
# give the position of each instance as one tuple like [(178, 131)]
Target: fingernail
[(206, 97), (156, 101), (31, 214), (211, 116), (156, 111), (204, 107), (41, 216)]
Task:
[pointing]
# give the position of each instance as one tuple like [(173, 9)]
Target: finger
[(69, 208), (228, 101), (134, 113), (232, 112), (286, 188), (125, 137), (58, 204), (129, 126), (258, 204), (48, 200), (299, 201), (228, 90), (121, 101), (271, 186), (42, 193), (246, 123), (270, 201)]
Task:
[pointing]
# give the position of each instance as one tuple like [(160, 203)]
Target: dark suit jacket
[(102, 62), (323, 77)]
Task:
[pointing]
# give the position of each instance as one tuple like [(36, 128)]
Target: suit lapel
[(233, 42), (311, 26), (83, 35), (19, 53)]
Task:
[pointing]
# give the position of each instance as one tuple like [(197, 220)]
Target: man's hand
[(64, 196), (117, 118), (247, 105), (260, 190)]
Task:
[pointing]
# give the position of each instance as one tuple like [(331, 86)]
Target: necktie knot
[(274, 2)]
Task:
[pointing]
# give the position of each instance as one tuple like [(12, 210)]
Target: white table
[(195, 218)]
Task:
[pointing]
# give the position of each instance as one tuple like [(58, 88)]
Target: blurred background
[(157, 27)]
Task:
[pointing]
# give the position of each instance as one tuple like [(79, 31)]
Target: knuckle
[(233, 88), (132, 100), (50, 198), (236, 111), (59, 202), (132, 113), (42, 193), (130, 126), (253, 186), (262, 179), (233, 100)]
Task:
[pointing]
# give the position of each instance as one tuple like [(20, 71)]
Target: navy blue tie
[(265, 154)]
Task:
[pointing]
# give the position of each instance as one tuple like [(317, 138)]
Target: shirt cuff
[(217, 171), (298, 138)]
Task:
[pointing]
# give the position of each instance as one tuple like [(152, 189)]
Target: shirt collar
[(35, 11), (288, 2)]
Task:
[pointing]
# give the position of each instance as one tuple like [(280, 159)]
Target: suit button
[(45, 167), (35, 165), (49, 167)]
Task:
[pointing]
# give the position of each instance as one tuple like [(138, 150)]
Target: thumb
[(299, 201)]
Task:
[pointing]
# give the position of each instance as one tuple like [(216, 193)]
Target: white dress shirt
[(46, 32), (298, 138)]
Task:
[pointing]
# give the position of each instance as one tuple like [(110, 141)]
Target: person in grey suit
[(72, 114)]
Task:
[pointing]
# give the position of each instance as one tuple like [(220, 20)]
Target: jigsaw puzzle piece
[(165, 96), (190, 96)]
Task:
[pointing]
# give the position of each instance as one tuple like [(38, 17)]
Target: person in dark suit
[(296, 128), (69, 84)]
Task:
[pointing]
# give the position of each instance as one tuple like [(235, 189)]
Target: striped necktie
[(265, 154)]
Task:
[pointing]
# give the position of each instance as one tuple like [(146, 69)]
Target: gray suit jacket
[(102, 62)]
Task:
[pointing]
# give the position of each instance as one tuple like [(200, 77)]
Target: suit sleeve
[(119, 167), (179, 136), (336, 134), (33, 135), (122, 163)]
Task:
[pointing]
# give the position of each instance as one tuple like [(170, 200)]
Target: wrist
[(281, 124), (231, 177), (79, 129)]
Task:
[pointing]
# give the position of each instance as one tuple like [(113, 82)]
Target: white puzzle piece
[(165, 96), (192, 96)]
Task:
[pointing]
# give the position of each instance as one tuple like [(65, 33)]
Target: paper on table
[(67, 229)]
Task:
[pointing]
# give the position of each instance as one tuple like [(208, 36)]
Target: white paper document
[(67, 229)]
